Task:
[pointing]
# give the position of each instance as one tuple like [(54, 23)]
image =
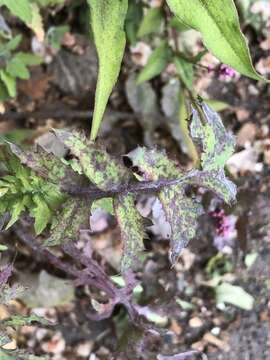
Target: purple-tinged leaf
[(182, 214), (99, 167), (73, 218), (5, 275)]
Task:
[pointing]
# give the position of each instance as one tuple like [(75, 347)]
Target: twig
[(132, 187)]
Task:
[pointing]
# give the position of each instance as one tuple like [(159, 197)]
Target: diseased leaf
[(217, 182), (182, 214), (156, 63), (218, 22), (216, 143), (101, 169), (132, 232), (154, 164), (151, 22), (107, 22), (181, 211), (67, 225)]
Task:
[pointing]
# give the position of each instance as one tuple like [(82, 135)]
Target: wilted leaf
[(67, 225), (218, 22), (101, 169), (156, 63), (107, 21), (235, 295), (132, 232)]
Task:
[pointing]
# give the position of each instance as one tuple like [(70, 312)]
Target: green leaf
[(5, 356), (13, 43), (218, 22), (101, 169), (21, 9), (235, 295), (185, 71), (17, 68), (133, 20), (107, 21), (104, 204), (67, 225), (132, 232), (151, 22), (55, 35), (29, 59), (156, 63), (9, 82), (217, 105), (16, 210), (20, 320), (41, 213)]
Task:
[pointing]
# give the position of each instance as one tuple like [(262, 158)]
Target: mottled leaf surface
[(218, 22), (154, 165), (107, 21), (209, 132), (216, 145), (101, 169), (67, 225), (132, 232), (182, 213)]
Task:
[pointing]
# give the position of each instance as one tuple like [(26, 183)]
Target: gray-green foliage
[(35, 185)]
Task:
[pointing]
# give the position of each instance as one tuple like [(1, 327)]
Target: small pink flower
[(226, 71)]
